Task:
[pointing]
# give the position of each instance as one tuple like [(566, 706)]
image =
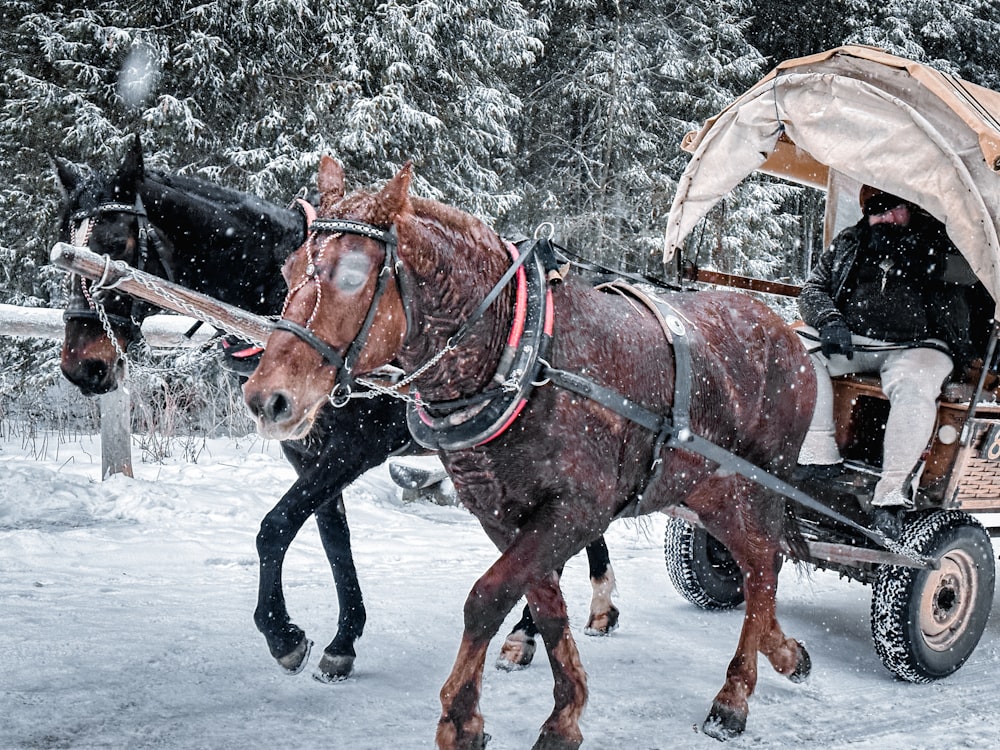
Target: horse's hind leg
[(753, 539), (518, 648), (603, 613)]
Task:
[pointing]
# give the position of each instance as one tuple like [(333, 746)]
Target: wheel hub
[(948, 599)]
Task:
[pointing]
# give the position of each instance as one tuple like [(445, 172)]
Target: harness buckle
[(340, 395)]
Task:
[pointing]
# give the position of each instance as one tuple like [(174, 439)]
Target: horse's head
[(344, 313), (104, 214)]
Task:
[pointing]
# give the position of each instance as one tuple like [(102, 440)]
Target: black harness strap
[(609, 398), (346, 372), (330, 355), (675, 432), (475, 420), (145, 233), (490, 298), (345, 363), (132, 329)]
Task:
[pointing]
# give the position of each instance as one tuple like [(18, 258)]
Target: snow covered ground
[(125, 622)]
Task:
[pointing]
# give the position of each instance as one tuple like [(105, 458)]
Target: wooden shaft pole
[(162, 293)]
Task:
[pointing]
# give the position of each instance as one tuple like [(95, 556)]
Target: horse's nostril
[(94, 371), (275, 408), (278, 407), (92, 376)]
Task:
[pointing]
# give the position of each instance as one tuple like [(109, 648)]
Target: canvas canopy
[(850, 116)]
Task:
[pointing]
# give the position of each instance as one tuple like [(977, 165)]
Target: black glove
[(835, 338)]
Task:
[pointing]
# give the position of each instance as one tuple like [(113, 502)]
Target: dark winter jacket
[(901, 290)]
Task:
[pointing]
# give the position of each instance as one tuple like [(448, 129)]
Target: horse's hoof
[(516, 653), (804, 667), (477, 742), (295, 660), (724, 722), (604, 623), (334, 668), (550, 741)]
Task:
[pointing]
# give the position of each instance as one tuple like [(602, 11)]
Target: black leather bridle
[(345, 363), (88, 305)]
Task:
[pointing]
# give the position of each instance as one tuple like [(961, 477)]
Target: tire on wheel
[(926, 623), (700, 567)]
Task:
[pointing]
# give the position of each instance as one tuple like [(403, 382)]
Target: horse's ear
[(130, 173), (331, 179), (395, 196), (69, 174)]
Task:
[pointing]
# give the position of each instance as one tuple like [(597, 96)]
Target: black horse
[(232, 245)]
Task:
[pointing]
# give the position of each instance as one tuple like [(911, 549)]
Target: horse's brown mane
[(461, 233)]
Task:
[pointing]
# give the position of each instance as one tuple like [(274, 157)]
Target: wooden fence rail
[(158, 330), (166, 331)]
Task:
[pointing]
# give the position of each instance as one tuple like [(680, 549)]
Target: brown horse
[(389, 276)]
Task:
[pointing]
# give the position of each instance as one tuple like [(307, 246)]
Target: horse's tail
[(792, 532)]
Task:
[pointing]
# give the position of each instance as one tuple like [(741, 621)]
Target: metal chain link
[(102, 315), (394, 390)]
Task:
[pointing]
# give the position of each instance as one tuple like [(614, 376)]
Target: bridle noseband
[(344, 363)]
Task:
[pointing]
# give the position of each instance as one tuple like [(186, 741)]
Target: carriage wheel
[(926, 623), (700, 567)]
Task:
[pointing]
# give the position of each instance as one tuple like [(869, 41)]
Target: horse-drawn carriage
[(835, 121)]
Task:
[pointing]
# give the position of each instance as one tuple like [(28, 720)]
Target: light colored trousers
[(912, 380)]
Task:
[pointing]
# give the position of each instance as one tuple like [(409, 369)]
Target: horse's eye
[(352, 272)]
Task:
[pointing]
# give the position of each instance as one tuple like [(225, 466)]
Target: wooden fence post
[(116, 432)]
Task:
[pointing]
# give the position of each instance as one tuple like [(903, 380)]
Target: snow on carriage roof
[(850, 116)]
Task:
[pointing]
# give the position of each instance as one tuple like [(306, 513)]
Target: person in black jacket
[(878, 301)]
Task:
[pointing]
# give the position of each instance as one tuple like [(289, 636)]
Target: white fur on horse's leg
[(295, 660), (603, 613), (517, 652), (334, 668)]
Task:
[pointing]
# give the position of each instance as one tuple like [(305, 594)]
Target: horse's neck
[(443, 301), (233, 251)]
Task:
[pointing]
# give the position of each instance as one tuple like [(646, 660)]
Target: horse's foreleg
[(561, 731), (603, 613), (338, 657), (286, 641)]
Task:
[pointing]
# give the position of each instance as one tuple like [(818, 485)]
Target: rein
[(889, 346), (476, 420)]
